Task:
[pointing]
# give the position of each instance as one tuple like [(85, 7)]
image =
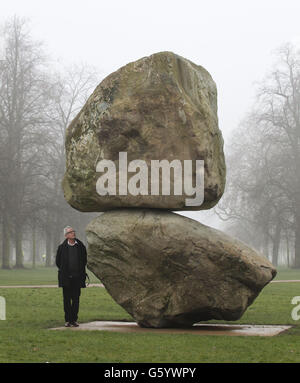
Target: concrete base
[(197, 329)]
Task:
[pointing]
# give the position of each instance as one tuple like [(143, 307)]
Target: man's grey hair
[(66, 228)]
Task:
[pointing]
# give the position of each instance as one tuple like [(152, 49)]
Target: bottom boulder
[(167, 270)]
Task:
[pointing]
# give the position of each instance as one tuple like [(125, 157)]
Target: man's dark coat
[(62, 263)]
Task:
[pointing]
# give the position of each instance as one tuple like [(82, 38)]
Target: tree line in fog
[(261, 203), (37, 104)]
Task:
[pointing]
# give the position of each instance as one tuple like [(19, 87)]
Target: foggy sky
[(232, 39)]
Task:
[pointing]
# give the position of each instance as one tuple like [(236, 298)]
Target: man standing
[(71, 259)]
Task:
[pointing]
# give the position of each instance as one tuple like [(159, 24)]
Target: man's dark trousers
[(71, 296)]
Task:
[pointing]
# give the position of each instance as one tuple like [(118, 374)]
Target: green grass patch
[(25, 334), (41, 275), (284, 273)]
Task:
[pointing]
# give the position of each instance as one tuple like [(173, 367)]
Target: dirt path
[(286, 280), (100, 285), (40, 286)]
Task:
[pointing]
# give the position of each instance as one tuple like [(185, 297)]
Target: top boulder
[(161, 107)]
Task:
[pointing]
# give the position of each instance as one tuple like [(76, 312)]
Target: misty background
[(54, 53)]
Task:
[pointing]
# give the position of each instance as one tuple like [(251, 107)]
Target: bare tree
[(72, 88), (279, 118), (264, 183), (36, 107), (23, 97)]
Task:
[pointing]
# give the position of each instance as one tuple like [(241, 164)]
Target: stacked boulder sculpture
[(145, 144)]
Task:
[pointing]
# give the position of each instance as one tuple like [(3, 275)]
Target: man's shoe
[(74, 324), (67, 324)]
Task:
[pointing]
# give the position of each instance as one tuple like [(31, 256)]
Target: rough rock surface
[(168, 270), (159, 107)]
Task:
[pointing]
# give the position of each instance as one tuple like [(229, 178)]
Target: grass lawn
[(285, 273), (42, 275), (25, 334)]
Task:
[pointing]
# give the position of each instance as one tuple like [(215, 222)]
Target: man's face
[(70, 234)]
